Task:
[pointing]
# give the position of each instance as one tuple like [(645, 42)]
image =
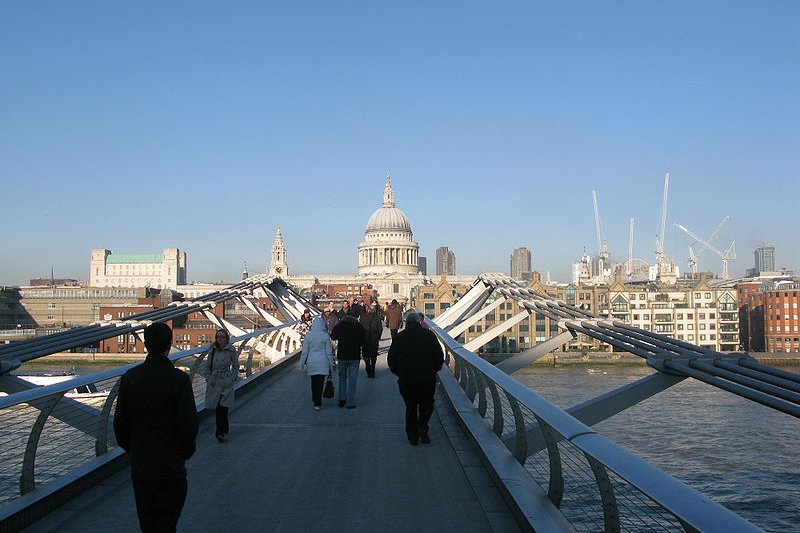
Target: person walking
[(356, 308), (394, 318), (344, 310), (352, 341), (415, 357), (223, 371), (156, 422), (372, 323), (304, 325), (331, 319), (317, 359)]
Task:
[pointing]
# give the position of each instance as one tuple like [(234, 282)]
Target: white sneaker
[(317, 408)]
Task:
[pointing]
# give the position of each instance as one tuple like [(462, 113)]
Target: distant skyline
[(137, 127)]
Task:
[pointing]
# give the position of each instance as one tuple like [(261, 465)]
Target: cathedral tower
[(278, 266)]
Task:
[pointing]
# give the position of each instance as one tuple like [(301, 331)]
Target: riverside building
[(768, 315), (166, 270)]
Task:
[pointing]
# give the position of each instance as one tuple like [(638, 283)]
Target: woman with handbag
[(317, 359), (223, 371)]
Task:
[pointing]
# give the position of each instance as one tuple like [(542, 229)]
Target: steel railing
[(48, 433), (594, 483)]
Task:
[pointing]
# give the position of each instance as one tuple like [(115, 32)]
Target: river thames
[(741, 454)]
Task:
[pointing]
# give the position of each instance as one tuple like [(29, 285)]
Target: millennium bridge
[(502, 458)]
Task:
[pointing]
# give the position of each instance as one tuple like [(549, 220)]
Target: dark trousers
[(159, 503), (418, 398), (393, 332), (317, 382), (369, 365), (223, 428)]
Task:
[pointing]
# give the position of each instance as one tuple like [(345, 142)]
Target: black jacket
[(373, 324), (415, 355), (156, 419), (351, 339)]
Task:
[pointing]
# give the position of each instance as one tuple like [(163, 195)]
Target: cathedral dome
[(388, 218), (388, 247)]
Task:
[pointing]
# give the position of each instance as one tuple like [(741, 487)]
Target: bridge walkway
[(286, 467)]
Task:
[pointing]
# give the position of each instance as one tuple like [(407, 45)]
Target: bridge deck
[(287, 467)]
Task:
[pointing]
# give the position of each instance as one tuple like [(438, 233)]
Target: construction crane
[(692, 261), (629, 263), (693, 257), (660, 256), (602, 247), (726, 256), (633, 268)]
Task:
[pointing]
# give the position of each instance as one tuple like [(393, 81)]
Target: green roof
[(134, 258)]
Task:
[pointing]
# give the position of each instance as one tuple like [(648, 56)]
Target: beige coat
[(221, 376), (394, 316)]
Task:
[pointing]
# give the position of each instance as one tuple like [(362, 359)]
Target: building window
[(619, 305)]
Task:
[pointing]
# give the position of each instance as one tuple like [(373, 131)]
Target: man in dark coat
[(344, 310), (156, 422), (352, 342), (356, 308), (372, 321), (416, 356)]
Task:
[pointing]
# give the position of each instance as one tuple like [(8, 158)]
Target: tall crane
[(602, 247), (660, 256), (693, 260), (629, 264), (694, 256), (726, 256)]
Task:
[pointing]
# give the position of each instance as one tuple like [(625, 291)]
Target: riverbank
[(551, 359), (103, 359), (624, 358)]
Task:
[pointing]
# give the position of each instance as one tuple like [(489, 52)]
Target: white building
[(166, 270)]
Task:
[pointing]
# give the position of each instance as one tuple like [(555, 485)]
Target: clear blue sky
[(204, 125)]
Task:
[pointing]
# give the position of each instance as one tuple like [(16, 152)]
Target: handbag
[(327, 392)]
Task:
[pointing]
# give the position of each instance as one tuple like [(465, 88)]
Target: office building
[(765, 260), (445, 262), (521, 264)]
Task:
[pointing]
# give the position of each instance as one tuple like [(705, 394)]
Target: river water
[(741, 454)]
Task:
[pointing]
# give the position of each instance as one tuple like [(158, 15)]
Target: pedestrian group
[(156, 416)]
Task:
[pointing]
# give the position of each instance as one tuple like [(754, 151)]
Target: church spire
[(278, 266), (388, 193)]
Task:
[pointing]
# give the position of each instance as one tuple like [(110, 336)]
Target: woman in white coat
[(317, 358), (223, 371)]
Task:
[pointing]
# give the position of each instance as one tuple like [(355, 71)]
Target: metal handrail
[(82, 423), (691, 508), (37, 393)]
